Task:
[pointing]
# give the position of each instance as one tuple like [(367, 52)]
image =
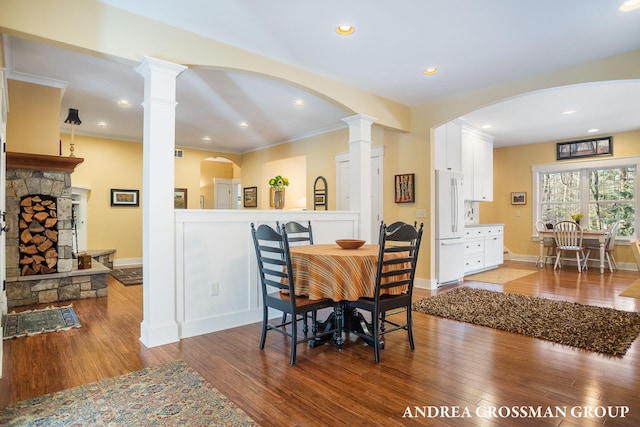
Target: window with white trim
[(603, 191)]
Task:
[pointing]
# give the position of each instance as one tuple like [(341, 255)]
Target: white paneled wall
[(216, 274)]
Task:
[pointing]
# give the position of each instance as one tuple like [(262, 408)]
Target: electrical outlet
[(421, 213), (215, 289)]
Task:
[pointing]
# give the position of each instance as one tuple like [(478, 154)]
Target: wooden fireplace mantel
[(42, 162)]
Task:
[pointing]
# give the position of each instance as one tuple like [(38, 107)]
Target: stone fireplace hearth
[(40, 264)]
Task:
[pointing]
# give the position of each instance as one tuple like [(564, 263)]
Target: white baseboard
[(127, 262)]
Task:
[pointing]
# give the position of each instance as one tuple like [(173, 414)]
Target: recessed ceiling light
[(298, 103), (630, 5), (345, 29), (593, 130), (243, 124), (568, 112), (430, 71), (486, 127), (206, 139), (103, 124), (124, 103)]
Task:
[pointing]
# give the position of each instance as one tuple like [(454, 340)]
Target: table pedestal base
[(347, 320)]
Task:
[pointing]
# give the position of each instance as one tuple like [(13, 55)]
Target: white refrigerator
[(449, 227)]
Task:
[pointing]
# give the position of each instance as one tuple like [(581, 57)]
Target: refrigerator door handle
[(454, 205)]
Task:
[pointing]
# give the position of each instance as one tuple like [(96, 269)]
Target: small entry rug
[(128, 275), (633, 290), (500, 276), (34, 322), (600, 329), (166, 395)]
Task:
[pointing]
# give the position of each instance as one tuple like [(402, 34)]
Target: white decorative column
[(159, 324), (360, 170)]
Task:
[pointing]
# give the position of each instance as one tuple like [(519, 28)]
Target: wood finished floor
[(454, 364)]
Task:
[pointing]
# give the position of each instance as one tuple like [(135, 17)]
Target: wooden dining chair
[(297, 234), (609, 245), (395, 273), (549, 244), (568, 236), (278, 287)]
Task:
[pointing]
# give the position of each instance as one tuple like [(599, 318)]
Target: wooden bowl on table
[(350, 243)]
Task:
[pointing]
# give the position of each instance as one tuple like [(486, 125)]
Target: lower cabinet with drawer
[(483, 248)]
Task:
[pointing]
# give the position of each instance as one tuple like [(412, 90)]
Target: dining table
[(330, 271), (599, 236)]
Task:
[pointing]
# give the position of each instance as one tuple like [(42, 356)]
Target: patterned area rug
[(34, 322), (167, 395), (499, 276), (633, 290), (128, 275), (600, 329)]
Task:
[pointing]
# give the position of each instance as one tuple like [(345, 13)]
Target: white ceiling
[(475, 44)]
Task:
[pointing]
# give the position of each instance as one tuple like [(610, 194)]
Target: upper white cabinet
[(448, 148), (477, 165)]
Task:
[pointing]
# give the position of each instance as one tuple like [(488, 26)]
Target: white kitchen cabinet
[(494, 246), (477, 165), (447, 148), (483, 248)]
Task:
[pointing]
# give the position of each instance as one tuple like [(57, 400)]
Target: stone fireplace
[(40, 264)]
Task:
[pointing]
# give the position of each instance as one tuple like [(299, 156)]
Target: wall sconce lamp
[(72, 119)]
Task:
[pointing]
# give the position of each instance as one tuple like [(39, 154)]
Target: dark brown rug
[(128, 275), (600, 329)]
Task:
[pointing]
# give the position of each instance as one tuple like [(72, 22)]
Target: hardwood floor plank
[(454, 364)]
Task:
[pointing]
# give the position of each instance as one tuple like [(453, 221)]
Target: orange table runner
[(328, 271)]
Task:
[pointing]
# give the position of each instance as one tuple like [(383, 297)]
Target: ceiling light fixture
[(298, 103), (103, 124), (486, 127), (345, 30), (243, 124), (630, 5), (430, 71), (593, 130), (124, 103), (73, 119), (568, 112), (206, 139)]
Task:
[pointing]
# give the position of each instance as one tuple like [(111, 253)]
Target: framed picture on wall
[(405, 188), (180, 198), (250, 197), (125, 197), (519, 198)]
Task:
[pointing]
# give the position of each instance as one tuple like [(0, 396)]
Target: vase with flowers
[(577, 217), (277, 184)]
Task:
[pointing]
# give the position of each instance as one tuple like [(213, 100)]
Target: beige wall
[(33, 120), (512, 173)]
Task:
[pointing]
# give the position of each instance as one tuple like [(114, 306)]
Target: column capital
[(149, 65), (360, 127)]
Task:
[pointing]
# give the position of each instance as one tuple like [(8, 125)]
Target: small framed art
[(250, 197), (519, 198), (125, 197), (405, 189), (180, 198)]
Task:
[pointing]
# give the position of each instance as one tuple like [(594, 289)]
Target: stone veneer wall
[(68, 283)]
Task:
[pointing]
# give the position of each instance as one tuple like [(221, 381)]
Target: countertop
[(481, 225)]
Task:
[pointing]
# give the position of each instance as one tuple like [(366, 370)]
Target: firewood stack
[(38, 235)]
